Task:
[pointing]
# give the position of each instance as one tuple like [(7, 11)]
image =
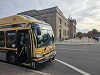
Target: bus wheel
[(35, 65), (12, 58)]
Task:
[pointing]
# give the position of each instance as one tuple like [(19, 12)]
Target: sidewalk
[(84, 40), (8, 69)]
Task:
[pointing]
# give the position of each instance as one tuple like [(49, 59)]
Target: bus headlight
[(38, 55), (54, 47)]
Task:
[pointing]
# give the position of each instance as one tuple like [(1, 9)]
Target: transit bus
[(26, 40)]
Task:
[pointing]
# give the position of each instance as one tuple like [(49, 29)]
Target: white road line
[(75, 68)]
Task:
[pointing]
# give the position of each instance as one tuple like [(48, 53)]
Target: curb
[(77, 43), (33, 72)]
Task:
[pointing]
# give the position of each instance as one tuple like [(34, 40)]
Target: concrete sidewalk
[(8, 69)]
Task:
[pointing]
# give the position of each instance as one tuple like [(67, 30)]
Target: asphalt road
[(72, 60), (75, 60), (8, 69)]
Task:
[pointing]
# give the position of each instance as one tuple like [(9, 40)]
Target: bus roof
[(15, 19)]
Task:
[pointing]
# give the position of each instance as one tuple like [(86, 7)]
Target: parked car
[(95, 38)]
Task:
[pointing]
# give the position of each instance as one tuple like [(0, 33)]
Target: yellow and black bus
[(26, 40)]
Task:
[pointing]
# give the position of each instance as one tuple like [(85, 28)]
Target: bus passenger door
[(24, 51)]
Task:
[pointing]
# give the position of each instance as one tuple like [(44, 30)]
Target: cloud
[(12, 7), (86, 12), (88, 17)]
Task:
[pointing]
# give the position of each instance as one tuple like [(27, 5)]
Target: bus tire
[(35, 65), (12, 58)]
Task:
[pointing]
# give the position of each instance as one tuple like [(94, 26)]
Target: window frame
[(14, 45), (3, 38)]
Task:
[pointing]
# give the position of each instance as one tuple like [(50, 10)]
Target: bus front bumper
[(47, 57)]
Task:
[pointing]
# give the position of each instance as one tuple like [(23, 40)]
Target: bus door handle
[(22, 50)]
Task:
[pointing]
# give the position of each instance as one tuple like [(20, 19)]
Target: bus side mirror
[(38, 31)]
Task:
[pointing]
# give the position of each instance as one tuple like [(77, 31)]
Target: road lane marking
[(75, 68)]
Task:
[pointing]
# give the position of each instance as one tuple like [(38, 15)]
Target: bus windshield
[(46, 37)]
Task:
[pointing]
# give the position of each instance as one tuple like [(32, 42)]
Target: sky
[(86, 12)]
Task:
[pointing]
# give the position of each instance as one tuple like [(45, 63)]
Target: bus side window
[(1, 38), (11, 39)]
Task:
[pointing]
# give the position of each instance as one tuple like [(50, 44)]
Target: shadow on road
[(39, 67)]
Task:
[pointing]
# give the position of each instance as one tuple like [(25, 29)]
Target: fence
[(82, 40)]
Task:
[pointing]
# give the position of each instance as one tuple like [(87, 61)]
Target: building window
[(11, 39), (66, 33), (1, 39), (63, 32), (45, 19), (59, 34), (65, 24), (60, 21)]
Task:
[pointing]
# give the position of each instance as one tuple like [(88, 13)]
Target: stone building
[(54, 17), (72, 27)]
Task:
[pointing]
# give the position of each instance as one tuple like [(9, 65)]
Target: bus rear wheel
[(12, 58)]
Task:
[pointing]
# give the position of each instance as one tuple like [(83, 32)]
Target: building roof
[(44, 11)]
